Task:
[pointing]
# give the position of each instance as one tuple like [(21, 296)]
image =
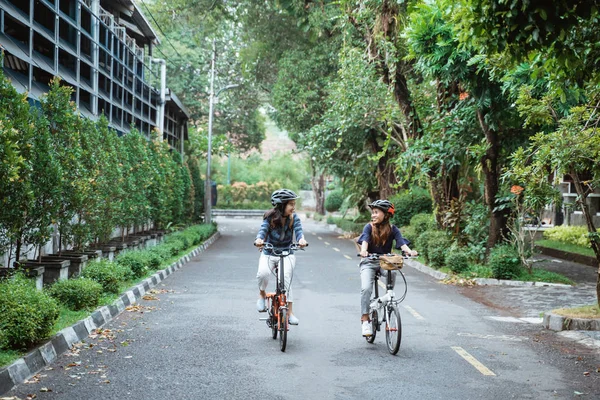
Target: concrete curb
[(33, 362), (559, 323)]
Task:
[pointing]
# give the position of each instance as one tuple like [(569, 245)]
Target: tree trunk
[(594, 240), (318, 184), (489, 164)]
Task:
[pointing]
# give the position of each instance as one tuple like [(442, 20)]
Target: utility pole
[(211, 101), (207, 182)]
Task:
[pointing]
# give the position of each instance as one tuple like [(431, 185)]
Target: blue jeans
[(368, 268)]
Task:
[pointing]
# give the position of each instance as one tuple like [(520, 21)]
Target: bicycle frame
[(277, 302)]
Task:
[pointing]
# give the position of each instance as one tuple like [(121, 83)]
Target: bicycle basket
[(391, 262)]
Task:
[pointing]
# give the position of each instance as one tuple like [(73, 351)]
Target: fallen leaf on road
[(128, 356), (586, 373), (149, 297), (45, 389)]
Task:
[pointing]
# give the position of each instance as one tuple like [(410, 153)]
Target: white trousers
[(266, 264)]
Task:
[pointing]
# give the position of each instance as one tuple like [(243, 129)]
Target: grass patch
[(541, 275), (7, 357), (592, 311), (67, 318), (570, 248)]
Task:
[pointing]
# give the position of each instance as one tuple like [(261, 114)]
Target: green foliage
[(437, 247), (577, 235), (27, 315), (334, 200), (348, 226), (108, 274), (77, 294), (409, 204), (505, 262), (475, 230), (422, 223), (457, 260), (134, 260), (409, 233)]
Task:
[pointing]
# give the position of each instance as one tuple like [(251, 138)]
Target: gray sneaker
[(260, 305)]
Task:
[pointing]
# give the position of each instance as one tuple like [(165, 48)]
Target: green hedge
[(505, 262), (77, 294), (108, 274), (334, 200), (27, 315), (577, 235), (409, 204), (135, 260), (458, 261)]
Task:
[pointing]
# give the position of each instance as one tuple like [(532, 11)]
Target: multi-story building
[(103, 50)]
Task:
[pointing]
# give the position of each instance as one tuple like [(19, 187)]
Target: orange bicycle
[(276, 302)]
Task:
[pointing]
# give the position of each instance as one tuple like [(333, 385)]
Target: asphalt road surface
[(198, 336)]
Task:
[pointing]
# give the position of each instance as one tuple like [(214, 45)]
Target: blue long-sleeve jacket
[(275, 237)]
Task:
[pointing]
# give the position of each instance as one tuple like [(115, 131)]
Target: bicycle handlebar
[(375, 256), (293, 246)]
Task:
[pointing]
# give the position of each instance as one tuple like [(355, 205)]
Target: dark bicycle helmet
[(384, 205), (282, 196)]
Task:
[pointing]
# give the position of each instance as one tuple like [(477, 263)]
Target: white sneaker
[(260, 305), (293, 320), (366, 329)]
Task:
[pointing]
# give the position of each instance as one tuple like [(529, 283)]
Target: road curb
[(34, 361), (559, 323)]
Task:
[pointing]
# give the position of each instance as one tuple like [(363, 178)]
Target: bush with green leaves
[(409, 233), (438, 246), (77, 294), (27, 315), (505, 262), (135, 260), (107, 273), (577, 235), (457, 260), (334, 200), (410, 203), (422, 223)]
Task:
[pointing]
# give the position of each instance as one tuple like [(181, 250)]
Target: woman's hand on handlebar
[(364, 253), (259, 243), (412, 253), (302, 243)]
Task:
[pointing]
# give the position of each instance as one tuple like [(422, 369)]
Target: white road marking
[(319, 237), (525, 320), (507, 338), (347, 256), (413, 312), (473, 361), (327, 243), (336, 249)]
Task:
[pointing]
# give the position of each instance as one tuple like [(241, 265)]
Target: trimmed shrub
[(505, 262), (27, 315), (438, 246), (457, 260), (334, 201), (107, 273), (409, 204), (136, 261), (409, 233), (77, 294), (577, 235), (422, 223)]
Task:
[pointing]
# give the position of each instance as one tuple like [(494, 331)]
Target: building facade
[(103, 50)]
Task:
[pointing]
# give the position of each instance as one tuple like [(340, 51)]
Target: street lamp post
[(211, 100)]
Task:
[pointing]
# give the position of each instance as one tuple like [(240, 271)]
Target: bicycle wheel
[(283, 321), (393, 329), (374, 322), (274, 327)]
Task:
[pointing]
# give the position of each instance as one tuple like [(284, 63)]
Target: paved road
[(200, 338)]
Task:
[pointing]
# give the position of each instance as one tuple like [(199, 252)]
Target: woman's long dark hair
[(381, 232), (275, 217)]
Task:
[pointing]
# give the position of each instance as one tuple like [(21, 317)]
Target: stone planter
[(106, 251), (93, 254), (118, 246), (78, 262), (34, 273), (54, 270)]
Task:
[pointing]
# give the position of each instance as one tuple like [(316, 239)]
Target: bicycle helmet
[(282, 196), (384, 205)]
